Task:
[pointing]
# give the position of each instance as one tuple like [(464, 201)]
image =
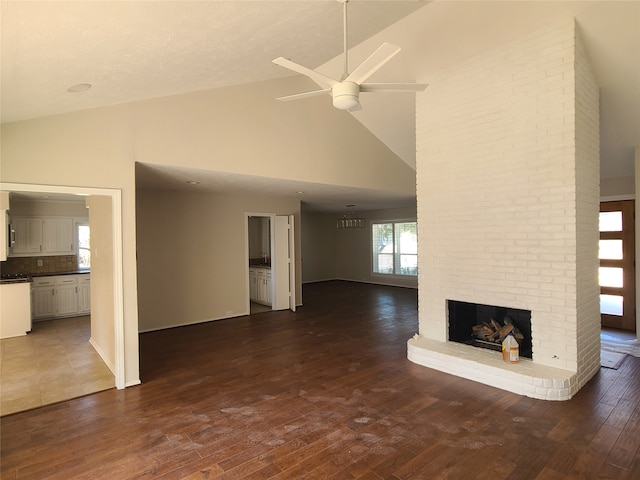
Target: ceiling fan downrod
[(346, 49)]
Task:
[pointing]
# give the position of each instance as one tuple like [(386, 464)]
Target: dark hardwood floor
[(323, 393)]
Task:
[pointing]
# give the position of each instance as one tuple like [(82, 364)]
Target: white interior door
[(283, 269)]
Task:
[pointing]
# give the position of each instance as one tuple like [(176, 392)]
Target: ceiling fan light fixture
[(345, 95)]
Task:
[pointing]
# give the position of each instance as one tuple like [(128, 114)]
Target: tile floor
[(54, 362), (258, 308)]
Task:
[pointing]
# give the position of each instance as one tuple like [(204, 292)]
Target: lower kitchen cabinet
[(84, 294), (43, 303), (60, 296), (66, 295)]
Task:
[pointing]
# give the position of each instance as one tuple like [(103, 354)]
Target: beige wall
[(245, 130), (49, 208), (102, 308), (236, 129), (329, 253), (617, 187), (92, 148), (353, 260), (192, 255), (318, 246)]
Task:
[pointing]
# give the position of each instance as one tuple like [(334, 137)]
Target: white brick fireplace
[(508, 195)]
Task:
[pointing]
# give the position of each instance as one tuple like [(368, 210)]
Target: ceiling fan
[(346, 91)]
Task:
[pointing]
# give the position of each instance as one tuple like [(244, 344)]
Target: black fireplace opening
[(468, 322)]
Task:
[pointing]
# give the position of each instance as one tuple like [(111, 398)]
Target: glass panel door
[(617, 265)]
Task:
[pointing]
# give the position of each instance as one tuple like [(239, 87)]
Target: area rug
[(613, 360), (613, 344)]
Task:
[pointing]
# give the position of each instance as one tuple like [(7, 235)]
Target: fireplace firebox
[(464, 316)]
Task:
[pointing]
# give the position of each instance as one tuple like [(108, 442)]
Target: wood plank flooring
[(323, 393)]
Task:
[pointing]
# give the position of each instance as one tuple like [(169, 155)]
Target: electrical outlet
[(39, 262)]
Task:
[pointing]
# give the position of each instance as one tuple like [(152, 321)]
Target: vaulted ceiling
[(135, 50)]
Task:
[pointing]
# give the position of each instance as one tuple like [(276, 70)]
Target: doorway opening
[(259, 261), (113, 225), (270, 265)]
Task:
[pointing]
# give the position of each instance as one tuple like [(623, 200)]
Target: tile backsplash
[(29, 265)]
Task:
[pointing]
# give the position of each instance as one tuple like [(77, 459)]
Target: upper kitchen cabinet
[(26, 236), (58, 235), (4, 222), (44, 224), (33, 236)]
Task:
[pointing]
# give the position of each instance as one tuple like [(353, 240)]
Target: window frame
[(395, 253), (76, 230)]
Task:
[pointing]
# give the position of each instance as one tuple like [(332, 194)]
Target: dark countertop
[(51, 274), (5, 281), (27, 278)]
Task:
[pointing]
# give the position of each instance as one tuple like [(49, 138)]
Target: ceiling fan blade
[(376, 60), (393, 87), (317, 77), (304, 95)]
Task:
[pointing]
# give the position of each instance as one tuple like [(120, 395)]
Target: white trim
[(618, 198), (102, 355), (118, 293), (195, 322)]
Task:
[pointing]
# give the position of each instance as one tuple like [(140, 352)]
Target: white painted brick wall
[(508, 192), (588, 203)]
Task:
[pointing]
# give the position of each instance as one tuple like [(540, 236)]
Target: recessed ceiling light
[(193, 182), (300, 192), (80, 87)]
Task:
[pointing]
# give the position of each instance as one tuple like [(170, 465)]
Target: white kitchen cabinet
[(39, 236), (260, 285), (61, 296), (43, 304), (27, 235), (84, 294), (58, 235), (4, 223), (253, 284), (4, 238), (66, 295), (264, 288)]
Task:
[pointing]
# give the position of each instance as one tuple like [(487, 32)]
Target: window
[(395, 248), (84, 245)]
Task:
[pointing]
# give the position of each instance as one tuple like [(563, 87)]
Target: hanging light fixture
[(350, 219)]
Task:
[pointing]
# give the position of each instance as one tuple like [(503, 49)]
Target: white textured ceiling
[(134, 50)]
